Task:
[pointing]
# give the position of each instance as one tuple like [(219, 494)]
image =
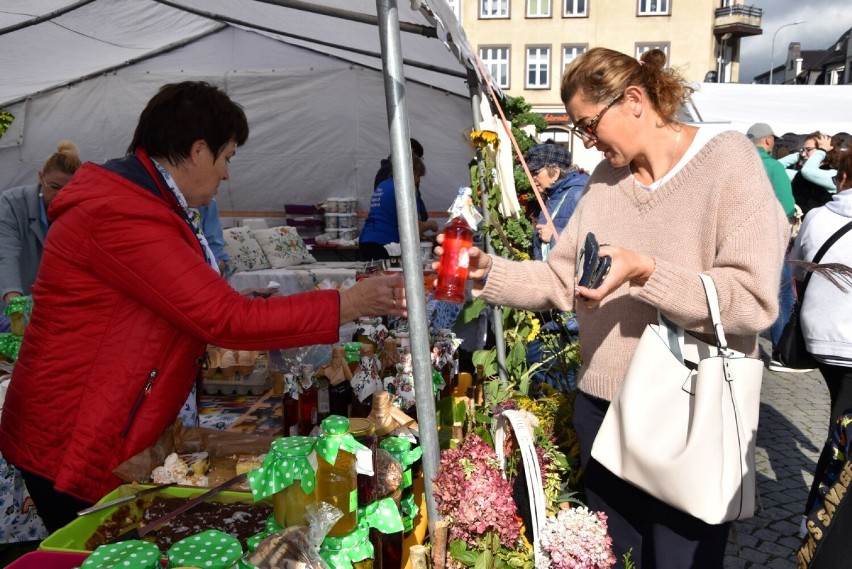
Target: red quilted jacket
[(124, 306)]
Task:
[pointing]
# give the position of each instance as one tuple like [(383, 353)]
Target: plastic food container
[(48, 560), (72, 538)]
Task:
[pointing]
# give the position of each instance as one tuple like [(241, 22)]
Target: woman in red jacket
[(127, 298)]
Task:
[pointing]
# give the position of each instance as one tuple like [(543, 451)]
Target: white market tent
[(311, 84), (797, 109)]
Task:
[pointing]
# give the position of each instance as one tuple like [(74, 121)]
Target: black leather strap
[(822, 251)]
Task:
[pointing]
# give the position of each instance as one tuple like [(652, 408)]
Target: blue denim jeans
[(786, 300)]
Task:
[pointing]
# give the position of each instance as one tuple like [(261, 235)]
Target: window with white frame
[(455, 6), (643, 47), (575, 8), (538, 8), (538, 67), (493, 8), (570, 53), (654, 7), (496, 61)]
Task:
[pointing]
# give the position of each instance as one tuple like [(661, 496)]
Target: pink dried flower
[(576, 539), (470, 490)]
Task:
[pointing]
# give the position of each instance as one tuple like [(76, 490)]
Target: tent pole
[(496, 311), (412, 266)]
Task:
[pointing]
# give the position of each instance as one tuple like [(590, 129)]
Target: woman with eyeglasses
[(811, 171), (826, 310), (670, 206)]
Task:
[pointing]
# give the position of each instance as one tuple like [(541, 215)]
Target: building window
[(493, 8), (538, 8), (654, 7), (455, 6), (643, 47), (496, 61), (570, 53), (575, 8), (538, 68)]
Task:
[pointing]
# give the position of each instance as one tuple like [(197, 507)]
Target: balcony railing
[(738, 20), (738, 10)]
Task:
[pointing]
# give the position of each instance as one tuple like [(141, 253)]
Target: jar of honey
[(337, 482), (364, 431)]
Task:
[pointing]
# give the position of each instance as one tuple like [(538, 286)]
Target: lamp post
[(772, 53)]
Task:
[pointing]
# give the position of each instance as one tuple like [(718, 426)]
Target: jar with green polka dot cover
[(350, 551), (210, 549), (337, 473), (287, 462), (132, 554), (407, 454)]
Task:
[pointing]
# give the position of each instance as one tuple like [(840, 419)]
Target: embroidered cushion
[(283, 247), (244, 250)]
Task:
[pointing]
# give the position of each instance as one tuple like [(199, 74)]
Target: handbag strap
[(822, 251), (674, 334), (715, 313)]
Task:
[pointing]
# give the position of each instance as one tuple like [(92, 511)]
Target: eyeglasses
[(808, 148), (834, 180), (587, 131)]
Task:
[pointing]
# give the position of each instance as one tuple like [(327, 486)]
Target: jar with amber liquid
[(337, 481), (364, 431), (290, 460)]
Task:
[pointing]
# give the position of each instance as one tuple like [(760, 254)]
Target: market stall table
[(298, 278)]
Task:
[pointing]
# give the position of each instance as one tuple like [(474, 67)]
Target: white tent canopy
[(311, 85), (797, 109)]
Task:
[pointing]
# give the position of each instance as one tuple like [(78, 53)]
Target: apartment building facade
[(526, 44)]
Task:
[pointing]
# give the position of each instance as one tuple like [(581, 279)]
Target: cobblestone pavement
[(794, 412)]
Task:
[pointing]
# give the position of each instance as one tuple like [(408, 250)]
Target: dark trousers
[(660, 536), (56, 509), (372, 251), (839, 382)]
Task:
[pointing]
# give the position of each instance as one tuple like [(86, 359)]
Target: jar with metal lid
[(337, 482), (364, 431)]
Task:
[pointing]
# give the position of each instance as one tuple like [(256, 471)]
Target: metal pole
[(772, 53), (412, 266), (496, 311)]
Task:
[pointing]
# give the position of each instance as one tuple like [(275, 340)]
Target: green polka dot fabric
[(382, 515), (211, 549), (286, 462), (401, 449), (335, 437), (133, 554), (341, 552)]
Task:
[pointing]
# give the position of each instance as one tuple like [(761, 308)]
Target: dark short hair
[(416, 148), (182, 113)]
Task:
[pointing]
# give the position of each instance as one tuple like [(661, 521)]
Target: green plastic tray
[(73, 537)]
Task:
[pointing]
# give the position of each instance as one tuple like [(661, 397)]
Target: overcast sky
[(825, 21)]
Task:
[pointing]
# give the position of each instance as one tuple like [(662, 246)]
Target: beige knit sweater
[(717, 215)]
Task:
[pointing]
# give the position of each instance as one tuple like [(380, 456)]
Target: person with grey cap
[(764, 138), (562, 184)]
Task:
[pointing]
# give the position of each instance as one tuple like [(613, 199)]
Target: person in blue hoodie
[(562, 184)]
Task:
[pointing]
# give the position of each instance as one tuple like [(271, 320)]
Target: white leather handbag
[(682, 427)]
